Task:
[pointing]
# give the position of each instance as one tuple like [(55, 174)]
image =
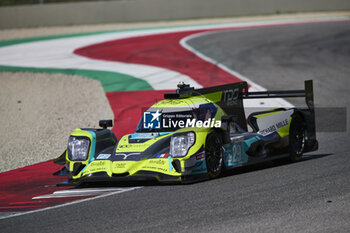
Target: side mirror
[(227, 121), (229, 118), (106, 123)]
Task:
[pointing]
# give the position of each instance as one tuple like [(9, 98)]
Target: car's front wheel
[(214, 155)]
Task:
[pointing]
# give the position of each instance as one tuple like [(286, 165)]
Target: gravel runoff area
[(38, 111)]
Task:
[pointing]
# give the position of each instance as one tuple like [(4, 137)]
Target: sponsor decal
[(159, 169), (103, 156), (143, 135), (163, 155), (272, 123), (134, 145), (230, 96), (119, 165), (95, 167), (200, 156), (275, 127), (125, 156), (156, 161), (282, 123), (97, 164), (234, 154)]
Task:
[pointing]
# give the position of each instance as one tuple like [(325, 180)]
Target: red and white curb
[(84, 192)]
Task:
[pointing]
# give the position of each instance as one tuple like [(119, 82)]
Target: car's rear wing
[(308, 93)]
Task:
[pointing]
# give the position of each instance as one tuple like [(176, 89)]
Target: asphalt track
[(309, 196)]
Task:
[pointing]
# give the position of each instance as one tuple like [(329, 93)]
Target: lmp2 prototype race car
[(193, 134)]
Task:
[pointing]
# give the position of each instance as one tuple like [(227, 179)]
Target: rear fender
[(311, 143)]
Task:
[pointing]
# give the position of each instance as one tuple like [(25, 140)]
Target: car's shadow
[(231, 172), (270, 164), (314, 156)]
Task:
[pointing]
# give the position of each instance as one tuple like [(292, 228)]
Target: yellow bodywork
[(158, 165)]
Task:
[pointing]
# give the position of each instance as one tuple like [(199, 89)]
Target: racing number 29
[(236, 153)]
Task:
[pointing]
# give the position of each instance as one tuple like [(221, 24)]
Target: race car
[(193, 134)]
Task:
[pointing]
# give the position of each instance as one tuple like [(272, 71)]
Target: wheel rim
[(214, 155)]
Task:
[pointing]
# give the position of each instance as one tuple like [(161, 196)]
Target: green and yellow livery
[(193, 134)]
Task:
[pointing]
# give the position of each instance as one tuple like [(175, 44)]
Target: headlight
[(78, 148), (180, 144)]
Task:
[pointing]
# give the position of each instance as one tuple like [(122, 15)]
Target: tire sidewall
[(216, 174), (297, 127)]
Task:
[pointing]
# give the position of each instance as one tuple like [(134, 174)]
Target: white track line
[(121, 190), (79, 192)]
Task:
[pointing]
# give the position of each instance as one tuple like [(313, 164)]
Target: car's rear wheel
[(297, 133), (214, 155)]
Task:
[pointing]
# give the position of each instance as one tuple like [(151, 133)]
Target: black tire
[(214, 155), (297, 133)]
